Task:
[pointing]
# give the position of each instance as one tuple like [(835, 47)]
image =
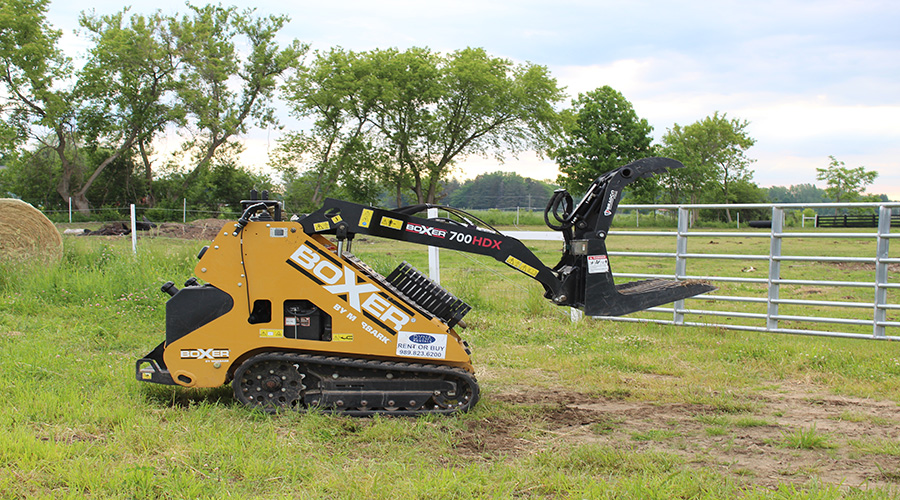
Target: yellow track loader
[(295, 321)]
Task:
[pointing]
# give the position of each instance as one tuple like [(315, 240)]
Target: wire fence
[(154, 214)]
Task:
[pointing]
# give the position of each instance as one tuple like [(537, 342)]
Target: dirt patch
[(860, 266), (859, 447), (489, 437), (203, 229)]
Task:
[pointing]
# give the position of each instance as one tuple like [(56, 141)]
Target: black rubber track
[(287, 381)]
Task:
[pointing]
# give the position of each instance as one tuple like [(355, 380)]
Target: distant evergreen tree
[(500, 190), (799, 193)]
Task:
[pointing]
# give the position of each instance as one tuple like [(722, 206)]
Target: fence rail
[(870, 220)]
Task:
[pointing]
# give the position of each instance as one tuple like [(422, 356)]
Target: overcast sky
[(814, 78)]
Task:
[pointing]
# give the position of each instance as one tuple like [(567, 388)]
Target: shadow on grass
[(182, 397)]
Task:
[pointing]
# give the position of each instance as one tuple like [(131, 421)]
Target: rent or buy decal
[(422, 345)]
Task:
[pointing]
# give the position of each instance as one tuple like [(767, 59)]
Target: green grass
[(77, 424), (806, 439)]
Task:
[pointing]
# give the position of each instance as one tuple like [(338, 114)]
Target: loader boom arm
[(345, 219), (583, 277)]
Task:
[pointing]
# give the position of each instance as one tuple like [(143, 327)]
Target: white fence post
[(684, 216), (774, 268), (70, 209), (434, 256), (881, 271), (133, 231), (184, 212)]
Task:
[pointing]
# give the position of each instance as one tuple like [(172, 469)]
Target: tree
[(845, 185), (431, 110), (110, 105), (713, 152), (603, 133), (338, 153), (126, 86), (798, 193), (500, 190), (33, 176), (213, 67), (36, 104)]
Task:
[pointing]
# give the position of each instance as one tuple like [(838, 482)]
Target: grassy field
[(588, 410)]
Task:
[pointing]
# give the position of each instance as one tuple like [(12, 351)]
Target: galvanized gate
[(876, 319)]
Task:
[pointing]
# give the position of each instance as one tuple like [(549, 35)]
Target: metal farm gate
[(871, 316), (772, 303)]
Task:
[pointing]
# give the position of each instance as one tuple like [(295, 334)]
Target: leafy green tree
[(111, 104), (431, 110), (127, 87), (744, 191), (338, 153), (32, 176), (37, 100), (602, 134), (221, 187), (402, 92), (224, 90), (713, 152), (846, 185)]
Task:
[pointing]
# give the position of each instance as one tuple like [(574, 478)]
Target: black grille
[(428, 294)]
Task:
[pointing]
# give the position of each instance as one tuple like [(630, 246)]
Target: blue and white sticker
[(422, 345)]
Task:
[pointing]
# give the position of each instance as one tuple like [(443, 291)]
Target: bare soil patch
[(748, 447), (203, 229)]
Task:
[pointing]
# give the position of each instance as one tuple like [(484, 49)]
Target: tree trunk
[(62, 187), (694, 212), (148, 174), (81, 203), (420, 195), (432, 189)]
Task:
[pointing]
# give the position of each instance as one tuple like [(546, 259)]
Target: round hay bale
[(26, 233)]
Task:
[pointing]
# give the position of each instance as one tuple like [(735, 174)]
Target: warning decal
[(521, 266), (597, 264), (392, 223), (365, 218)]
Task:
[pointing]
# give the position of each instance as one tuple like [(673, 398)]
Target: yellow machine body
[(278, 262)]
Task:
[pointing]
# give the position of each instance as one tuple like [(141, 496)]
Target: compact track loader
[(296, 321)]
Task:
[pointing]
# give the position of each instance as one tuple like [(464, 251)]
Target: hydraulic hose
[(560, 198)]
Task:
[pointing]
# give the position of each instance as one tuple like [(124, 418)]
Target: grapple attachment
[(585, 270), (604, 300)]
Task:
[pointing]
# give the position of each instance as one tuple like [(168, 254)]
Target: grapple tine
[(604, 300)]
